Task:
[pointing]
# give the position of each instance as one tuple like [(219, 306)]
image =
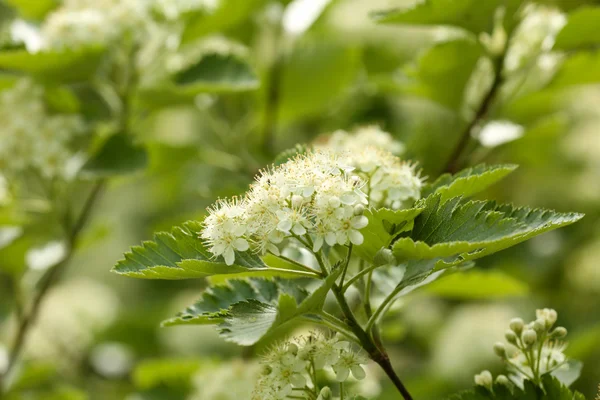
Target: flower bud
[(529, 337), (325, 394), (500, 349), (511, 337), (266, 370), (548, 315), (559, 332), (384, 257), (539, 325), (517, 324), (292, 348), (484, 379), (502, 380), (359, 209)]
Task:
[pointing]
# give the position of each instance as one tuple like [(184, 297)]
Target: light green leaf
[(215, 303), (581, 30), (30, 9), (384, 225), (118, 155), (149, 374), (249, 321), (469, 181), (442, 72), (477, 285), (473, 15), (65, 66), (579, 69), (462, 230), (180, 254)]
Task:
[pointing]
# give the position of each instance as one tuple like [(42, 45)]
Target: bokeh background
[(326, 65)]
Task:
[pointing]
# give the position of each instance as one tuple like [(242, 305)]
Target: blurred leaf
[(62, 66), (586, 343), (578, 69), (314, 76), (118, 155), (228, 14), (581, 30), (472, 15), (216, 301), (468, 181), (165, 372), (477, 285), (384, 225), (218, 72), (442, 72), (33, 9), (248, 321), (553, 390), (61, 100), (460, 230)]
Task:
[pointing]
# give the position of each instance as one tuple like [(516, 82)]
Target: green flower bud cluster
[(534, 349), (290, 368)]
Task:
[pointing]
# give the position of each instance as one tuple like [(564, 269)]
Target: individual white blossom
[(31, 136)]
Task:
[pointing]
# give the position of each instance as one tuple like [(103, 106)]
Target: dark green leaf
[(118, 155), (477, 285)]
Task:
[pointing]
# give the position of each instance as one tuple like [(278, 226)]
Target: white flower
[(349, 362), (224, 230)]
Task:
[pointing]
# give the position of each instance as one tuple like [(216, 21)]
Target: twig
[(47, 281), (454, 162)]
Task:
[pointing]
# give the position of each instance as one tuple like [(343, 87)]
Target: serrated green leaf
[(118, 155), (180, 254), (472, 15), (214, 305), (441, 73), (462, 230), (581, 30), (249, 321), (469, 181), (66, 66), (477, 285), (384, 225)]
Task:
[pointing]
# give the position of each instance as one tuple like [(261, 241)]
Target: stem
[(386, 302), (454, 162), (312, 274), (356, 277), (47, 281), (346, 264), (299, 265), (376, 353), (341, 390)]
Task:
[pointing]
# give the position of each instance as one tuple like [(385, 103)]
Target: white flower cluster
[(32, 137), (290, 367), (539, 349), (389, 182), (314, 198)]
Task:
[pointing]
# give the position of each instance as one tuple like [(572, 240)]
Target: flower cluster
[(292, 366), (389, 182), (314, 198), (539, 349), (32, 137)]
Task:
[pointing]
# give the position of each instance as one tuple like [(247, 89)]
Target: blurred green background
[(322, 66)]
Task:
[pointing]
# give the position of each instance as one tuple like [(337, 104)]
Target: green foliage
[(475, 285), (553, 390), (32, 9), (248, 321), (67, 66), (456, 230), (217, 300), (467, 182), (581, 30), (169, 372), (118, 155)]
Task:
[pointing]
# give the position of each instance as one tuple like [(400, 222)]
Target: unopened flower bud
[(384, 257), (539, 325), (359, 209), (502, 380), (517, 324), (500, 349), (559, 332), (511, 337), (529, 337), (266, 370), (292, 348), (548, 315), (325, 394), (484, 379)]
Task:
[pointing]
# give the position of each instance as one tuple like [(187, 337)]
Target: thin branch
[(48, 280), (454, 163), (346, 265)]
